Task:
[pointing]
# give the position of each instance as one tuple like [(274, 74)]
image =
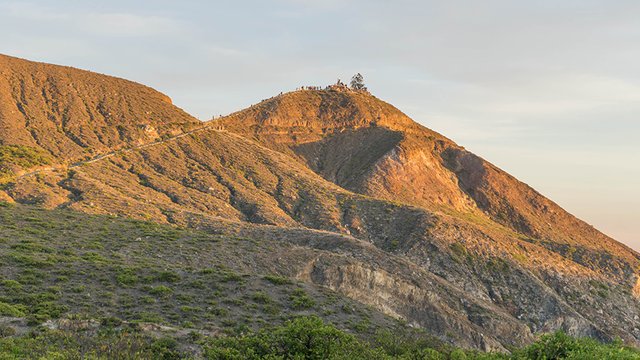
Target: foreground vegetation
[(60, 264), (301, 338), (77, 286)]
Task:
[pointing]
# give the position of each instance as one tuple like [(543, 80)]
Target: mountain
[(369, 147), (361, 199)]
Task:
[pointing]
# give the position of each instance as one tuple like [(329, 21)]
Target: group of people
[(339, 85), (311, 88)]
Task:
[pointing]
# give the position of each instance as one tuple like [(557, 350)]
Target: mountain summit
[(367, 146), (363, 200)]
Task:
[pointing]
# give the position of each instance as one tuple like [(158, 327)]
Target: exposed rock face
[(373, 205)]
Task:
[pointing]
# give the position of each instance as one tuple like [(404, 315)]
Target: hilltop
[(363, 200), (367, 146)]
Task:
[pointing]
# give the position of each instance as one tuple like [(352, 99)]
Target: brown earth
[(75, 114), (399, 217), (372, 148)]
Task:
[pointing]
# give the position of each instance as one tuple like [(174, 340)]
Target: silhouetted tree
[(357, 82)]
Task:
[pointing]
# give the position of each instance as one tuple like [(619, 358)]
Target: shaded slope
[(367, 146)]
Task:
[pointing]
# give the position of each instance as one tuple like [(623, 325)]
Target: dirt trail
[(210, 125)]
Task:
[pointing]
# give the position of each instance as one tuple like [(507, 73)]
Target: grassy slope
[(62, 263), (76, 286)]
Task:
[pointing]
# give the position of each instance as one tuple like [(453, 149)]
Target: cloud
[(129, 25), (30, 11), (216, 50), (324, 5), (118, 24)]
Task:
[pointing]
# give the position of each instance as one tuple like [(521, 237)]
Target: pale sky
[(548, 90)]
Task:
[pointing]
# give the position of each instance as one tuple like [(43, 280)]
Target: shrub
[(300, 299), (302, 338), (168, 276), (11, 284), (161, 291), (261, 297), (230, 276), (277, 280), (126, 277), (561, 346), (12, 310)]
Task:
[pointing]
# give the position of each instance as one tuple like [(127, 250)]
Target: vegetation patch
[(277, 280), (59, 264), (11, 310), (19, 156)]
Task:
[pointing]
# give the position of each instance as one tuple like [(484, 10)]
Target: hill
[(364, 202), (72, 114), (365, 145)]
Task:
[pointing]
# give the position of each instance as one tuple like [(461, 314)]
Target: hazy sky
[(547, 90)]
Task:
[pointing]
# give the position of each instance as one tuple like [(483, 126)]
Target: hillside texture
[(74, 114), (338, 190)]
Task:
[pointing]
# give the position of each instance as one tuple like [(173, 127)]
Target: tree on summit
[(357, 82)]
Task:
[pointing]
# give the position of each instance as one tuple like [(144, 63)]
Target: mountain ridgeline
[(358, 199)]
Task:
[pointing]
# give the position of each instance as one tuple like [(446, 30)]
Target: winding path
[(210, 125)]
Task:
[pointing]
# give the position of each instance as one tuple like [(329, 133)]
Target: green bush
[(230, 276), (168, 276), (161, 290), (561, 346), (300, 299), (55, 344), (11, 284), (11, 310), (302, 338), (165, 349), (261, 297), (277, 280), (126, 277)]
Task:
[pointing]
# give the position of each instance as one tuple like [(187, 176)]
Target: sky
[(548, 90)]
